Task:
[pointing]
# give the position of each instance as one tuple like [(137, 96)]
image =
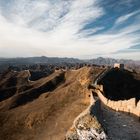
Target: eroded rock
[(86, 127)]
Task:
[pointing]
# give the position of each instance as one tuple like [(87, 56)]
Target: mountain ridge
[(44, 59)]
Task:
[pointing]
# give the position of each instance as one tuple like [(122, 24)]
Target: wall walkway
[(129, 106)]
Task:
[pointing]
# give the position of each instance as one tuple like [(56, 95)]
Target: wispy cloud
[(123, 18), (55, 28)]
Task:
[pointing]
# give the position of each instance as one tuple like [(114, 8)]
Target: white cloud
[(90, 31), (39, 28), (123, 18), (124, 55)]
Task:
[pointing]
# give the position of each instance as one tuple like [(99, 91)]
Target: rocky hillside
[(43, 109)]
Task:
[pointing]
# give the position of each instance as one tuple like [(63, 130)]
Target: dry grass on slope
[(49, 116)]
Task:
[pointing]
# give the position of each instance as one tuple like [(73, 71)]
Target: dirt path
[(120, 126)]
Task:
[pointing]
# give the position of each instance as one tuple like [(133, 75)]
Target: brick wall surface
[(129, 106)]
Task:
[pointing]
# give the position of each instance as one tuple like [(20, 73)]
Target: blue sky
[(70, 28)]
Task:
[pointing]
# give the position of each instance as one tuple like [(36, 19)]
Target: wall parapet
[(88, 124), (128, 106)]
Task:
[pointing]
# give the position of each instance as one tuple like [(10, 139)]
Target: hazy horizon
[(69, 58), (82, 29)]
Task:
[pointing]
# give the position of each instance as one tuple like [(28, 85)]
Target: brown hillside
[(44, 109)]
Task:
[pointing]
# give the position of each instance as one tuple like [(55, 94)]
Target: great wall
[(96, 95), (87, 124), (129, 106)]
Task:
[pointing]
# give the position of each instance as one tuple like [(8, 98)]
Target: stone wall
[(129, 106), (87, 125)]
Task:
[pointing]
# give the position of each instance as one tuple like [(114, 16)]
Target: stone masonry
[(129, 106)]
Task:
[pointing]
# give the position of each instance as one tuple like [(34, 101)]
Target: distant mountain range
[(55, 60), (111, 61)]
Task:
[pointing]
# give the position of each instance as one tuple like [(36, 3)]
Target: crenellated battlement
[(129, 106)]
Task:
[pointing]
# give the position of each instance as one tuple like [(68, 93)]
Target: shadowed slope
[(121, 85), (28, 91), (36, 91), (52, 111), (11, 82)]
